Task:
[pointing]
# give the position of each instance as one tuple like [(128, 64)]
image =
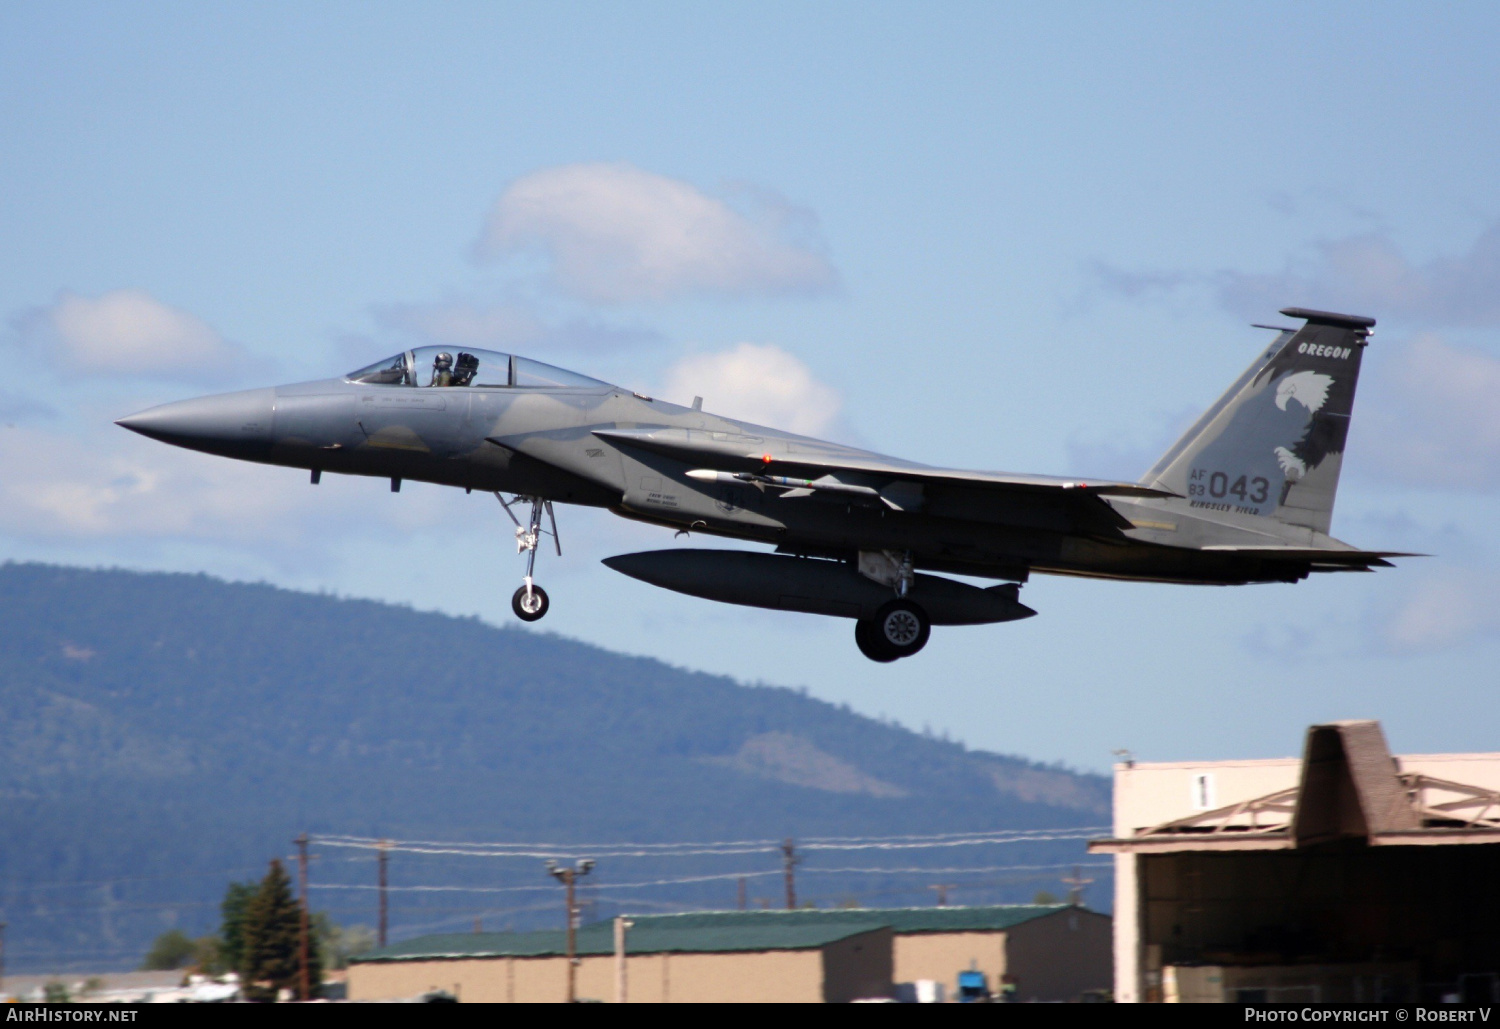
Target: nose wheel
[(530, 601)]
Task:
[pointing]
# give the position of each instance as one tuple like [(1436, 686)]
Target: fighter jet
[(1245, 496)]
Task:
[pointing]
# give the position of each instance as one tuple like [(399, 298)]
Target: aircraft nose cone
[(231, 424)]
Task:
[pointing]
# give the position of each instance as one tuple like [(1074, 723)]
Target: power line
[(371, 842), (718, 876), (529, 889), (338, 838), (790, 855), (947, 836), (981, 885), (728, 847), (974, 841), (806, 870), (952, 871), (543, 852)]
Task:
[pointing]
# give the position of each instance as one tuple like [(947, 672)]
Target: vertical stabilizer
[(1273, 445)]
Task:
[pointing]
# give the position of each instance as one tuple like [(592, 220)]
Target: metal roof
[(643, 938), (901, 920), (719, 931)]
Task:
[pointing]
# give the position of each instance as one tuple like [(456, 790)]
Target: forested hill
[(162, 734)]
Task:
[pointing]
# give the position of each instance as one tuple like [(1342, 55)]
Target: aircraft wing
[(814, 461)]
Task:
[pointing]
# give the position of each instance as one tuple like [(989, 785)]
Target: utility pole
[(568, 877), (621, 924), (741, 897), (304, 976), (380, 862), (790, 861), (2, 957), (1076, 883)]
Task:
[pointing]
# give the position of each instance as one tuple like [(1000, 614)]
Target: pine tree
[(271, 960), (232, 925)]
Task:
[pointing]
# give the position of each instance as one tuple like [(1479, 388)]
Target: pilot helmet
[(443, 360)]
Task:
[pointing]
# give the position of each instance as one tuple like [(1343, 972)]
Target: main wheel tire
[(529, 612), (868, 642), (902, 628)]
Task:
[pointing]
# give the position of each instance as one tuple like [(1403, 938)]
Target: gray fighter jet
[(1246, 495)]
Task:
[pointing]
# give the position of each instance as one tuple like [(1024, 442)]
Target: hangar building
[(1051, 952), (1346, 875)]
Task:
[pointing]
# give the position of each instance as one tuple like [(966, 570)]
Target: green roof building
[(1048, 952)]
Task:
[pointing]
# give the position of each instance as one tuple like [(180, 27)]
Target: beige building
[(1348, 874), (1047, 952), (790, 964), (1053, 952)]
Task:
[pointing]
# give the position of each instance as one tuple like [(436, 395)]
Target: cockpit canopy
[(449, 366)]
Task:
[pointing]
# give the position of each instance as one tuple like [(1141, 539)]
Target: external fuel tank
[(813, 585)]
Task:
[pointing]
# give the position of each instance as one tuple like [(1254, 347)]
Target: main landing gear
[(530, 601), (899, 629)]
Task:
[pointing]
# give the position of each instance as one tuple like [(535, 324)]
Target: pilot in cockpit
[(442, 370)]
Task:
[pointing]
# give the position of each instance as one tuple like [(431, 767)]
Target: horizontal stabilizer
[(1317, 555)]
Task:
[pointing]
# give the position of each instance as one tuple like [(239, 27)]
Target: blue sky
[(1004, 236)]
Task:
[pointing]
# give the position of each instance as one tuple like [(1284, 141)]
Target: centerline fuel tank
[(813, 585)]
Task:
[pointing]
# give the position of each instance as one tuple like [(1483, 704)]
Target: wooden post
[(304, 975)]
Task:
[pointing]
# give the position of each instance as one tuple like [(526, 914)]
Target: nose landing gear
[(530, 601)]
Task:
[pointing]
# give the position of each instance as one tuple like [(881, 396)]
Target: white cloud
[(1431, 416), (59, 487), (617, 234), (128, 332), (757, 382)]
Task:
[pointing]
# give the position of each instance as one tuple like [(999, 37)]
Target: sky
[(1005, 236)]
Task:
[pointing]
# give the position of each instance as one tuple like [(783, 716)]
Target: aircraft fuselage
[(1245, 496)]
